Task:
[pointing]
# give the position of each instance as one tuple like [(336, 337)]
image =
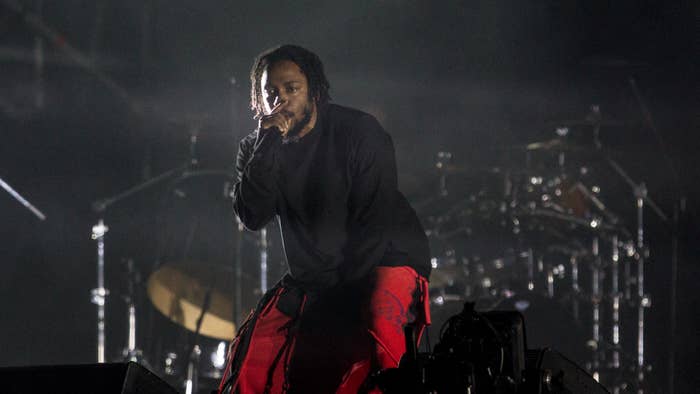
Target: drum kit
[(541, 231)]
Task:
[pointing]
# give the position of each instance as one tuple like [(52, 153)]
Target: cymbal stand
[(596, 297), (614, 364), (641, 299), (98, 295), (675, 174), (627, 293), (576, 289), (192, 378)]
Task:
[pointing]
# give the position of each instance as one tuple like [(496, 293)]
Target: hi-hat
[(178, 291)]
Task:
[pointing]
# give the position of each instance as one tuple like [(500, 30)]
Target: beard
[(296, 129)]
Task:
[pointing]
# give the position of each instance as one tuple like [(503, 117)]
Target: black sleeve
[(372, 196), (255, 192)]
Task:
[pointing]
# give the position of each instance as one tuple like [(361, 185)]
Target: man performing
[(358, 257)]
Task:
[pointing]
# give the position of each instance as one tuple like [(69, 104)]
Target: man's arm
[(255, 192)]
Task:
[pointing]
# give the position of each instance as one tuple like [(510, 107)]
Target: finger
[(277, 108), (277, 121), (283, 125), (271, 118)]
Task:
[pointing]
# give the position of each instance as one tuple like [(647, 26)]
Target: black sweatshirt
[(336, 196)]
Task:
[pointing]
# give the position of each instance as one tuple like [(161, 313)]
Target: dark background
[(468, 77)]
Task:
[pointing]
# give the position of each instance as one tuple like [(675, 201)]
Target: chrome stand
[(576, 297), (640, 299), (596, 297), (131, 352), (615, 304), (192, 379), (99, 294), (643, 300)]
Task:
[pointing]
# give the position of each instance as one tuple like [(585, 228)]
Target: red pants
[(331, 343)]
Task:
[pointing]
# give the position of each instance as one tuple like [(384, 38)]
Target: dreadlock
[(308, 62)]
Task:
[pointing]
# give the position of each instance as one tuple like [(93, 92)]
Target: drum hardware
[(553, 273), (530, 264), (100, 293), (12, 192), (614, 364), (201, 299), (671, 225), (641, 299), (132, 352), (217, 360), (170, 364), (561, 228), (206, 362), (195, 296), (184, 291), (192, 379), (596, 298), (443, 163)]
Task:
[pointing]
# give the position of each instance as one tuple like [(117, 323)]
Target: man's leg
[(396, 301), (398, 297), (262, 358)]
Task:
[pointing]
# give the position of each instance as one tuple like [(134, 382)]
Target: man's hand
[(277, 118)]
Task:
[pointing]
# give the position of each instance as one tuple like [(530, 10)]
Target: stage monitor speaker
[(117, 378)]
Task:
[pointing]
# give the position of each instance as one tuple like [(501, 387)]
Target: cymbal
[(554, 144), (586, 122), (468, 170), (557, 145), (178, 292)]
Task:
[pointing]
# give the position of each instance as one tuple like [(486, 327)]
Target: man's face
[(283, 83)]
